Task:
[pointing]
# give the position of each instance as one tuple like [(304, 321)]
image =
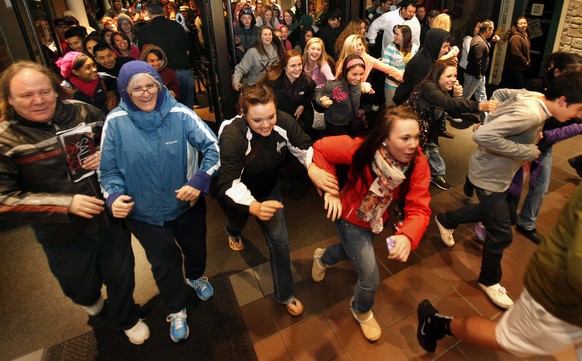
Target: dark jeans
[(164, 247), (275, 232), (186, 85), (83, 266), (496, 213)]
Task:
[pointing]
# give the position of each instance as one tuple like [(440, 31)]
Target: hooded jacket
[(150, 155), (248, 37), (168, 75), (421, 64), (518, 48)]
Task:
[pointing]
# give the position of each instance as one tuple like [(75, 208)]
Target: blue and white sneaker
[(203, 287), (179, 330)]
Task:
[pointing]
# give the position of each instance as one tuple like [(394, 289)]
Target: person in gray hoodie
[(257, 60), (505, 142)]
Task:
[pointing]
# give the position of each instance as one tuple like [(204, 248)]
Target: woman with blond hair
[(354, 45), (441, 21), (316, 62), (354, 27)]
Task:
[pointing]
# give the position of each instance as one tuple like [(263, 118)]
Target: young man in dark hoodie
[(245, 33), (436, 44)]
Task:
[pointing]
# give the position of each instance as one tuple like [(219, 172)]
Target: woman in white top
[(472, 30)]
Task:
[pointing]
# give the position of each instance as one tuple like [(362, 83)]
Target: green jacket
[(554, 274)]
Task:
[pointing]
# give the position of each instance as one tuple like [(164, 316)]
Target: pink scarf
[(390, 174)]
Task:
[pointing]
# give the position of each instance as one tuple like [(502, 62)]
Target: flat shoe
[(295, 308), (235, 243)]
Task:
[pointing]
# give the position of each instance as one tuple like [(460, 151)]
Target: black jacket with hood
[(248, 37), (421, 64)]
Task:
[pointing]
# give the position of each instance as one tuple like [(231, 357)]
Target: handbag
[(318, 120), (425, 114)]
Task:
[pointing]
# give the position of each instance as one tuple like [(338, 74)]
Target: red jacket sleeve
[(329, 151)]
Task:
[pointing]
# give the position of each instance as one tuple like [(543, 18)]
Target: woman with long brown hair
[(385, 166)]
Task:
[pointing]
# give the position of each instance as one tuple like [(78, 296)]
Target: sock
[(440, 324)]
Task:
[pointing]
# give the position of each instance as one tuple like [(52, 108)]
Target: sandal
[(295, 307), (235, 243)]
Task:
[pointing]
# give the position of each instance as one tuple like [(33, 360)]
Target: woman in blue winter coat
[(149, 174)]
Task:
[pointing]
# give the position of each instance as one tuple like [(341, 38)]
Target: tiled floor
[(446, 276)]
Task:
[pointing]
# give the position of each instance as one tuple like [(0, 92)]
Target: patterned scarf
[(390, 174)]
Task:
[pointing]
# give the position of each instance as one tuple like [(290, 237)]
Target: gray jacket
[(507, 139), (253, 65)]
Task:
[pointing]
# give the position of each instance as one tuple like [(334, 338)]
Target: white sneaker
[(318, 268), (498, 295), (138, 333), (446, 234), (95, 309)]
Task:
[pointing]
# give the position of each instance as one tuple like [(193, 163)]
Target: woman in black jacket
[(293, 90), (436, 44), (434, 101)]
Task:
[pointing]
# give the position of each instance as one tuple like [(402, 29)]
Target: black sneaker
[(532, 234), (440, 182), (426, 337)]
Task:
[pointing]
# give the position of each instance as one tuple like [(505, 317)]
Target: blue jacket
[(150, 155)]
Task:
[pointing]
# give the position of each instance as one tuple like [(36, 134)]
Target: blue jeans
[(186, 85), (435, 161), (496, 213), (356, 245), (535, 196), (473, 85), (275, 232), (166, 246), (83, 266)]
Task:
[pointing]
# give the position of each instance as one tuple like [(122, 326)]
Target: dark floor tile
[(422, 282), (454, 354), (272, 349), (520, 250), (383, 349), (312, 339), (393, 266), (260, 324), (457, 265), (393, 302)]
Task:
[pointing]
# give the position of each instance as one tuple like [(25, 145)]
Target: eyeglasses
[(150, 89)]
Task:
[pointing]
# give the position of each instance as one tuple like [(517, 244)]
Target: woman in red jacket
[(385, 166)]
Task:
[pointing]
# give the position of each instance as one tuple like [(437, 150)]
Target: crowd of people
[(303, 82)]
